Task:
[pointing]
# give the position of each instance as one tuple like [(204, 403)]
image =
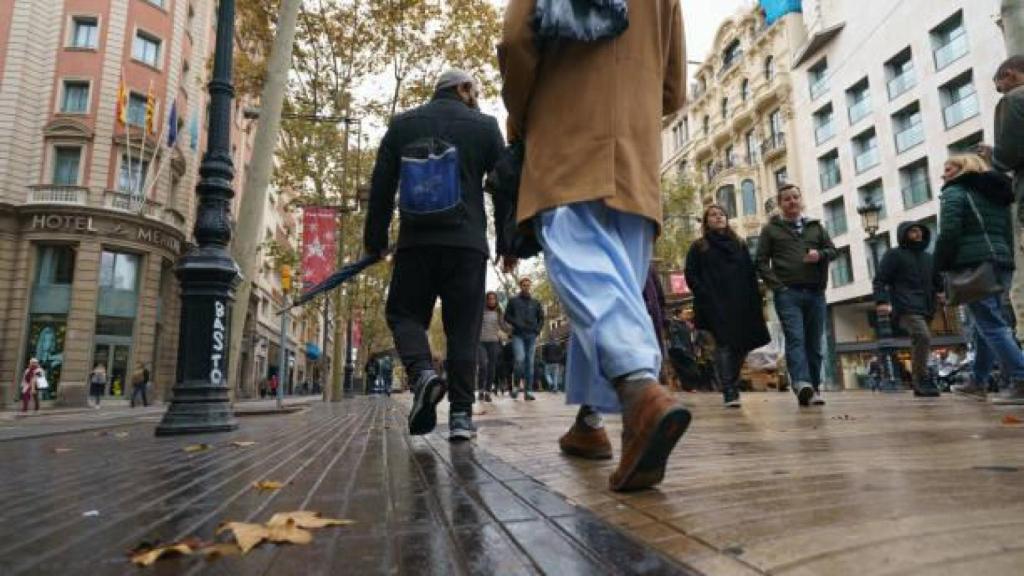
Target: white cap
[(454, 77)]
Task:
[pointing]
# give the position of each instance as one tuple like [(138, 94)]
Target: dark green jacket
[(780, 254), (1008, 152), (961, 243)]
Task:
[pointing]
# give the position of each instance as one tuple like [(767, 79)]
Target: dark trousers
[(728, 365), (25, 397), (488, 366), (139, 390), (457, 276)]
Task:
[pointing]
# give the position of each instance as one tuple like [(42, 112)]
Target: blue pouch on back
[(430, 187)]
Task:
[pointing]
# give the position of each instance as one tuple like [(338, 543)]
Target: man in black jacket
[(446, 260), (526, 317), (908, 286)]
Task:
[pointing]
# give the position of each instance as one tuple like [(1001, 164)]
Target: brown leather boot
[(652, 423), (583, 441)]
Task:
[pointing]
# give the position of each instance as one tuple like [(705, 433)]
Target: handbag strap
[(977, 214)]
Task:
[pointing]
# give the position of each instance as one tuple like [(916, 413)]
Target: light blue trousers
[(597, 259)]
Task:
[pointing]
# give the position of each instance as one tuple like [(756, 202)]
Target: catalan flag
[(150, 110), (121, 111)]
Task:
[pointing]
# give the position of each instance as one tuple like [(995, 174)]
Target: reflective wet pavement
[(75, 503)]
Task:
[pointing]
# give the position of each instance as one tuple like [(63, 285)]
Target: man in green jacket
[(793, 253), (1008, 153)]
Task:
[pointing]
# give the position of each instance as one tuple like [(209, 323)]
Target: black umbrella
[(346, 272)]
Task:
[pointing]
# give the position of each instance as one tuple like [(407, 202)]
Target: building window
[(959, 100), (914, 182), (131, 181), (744, 90), (706, 125), (906, 125), (873, 193), (725, 108), (900, 71), (875, 249), (858, 98), (146, 49), (865, 150), (824, 125), (749, 198), (781, 177), (65, 165), (136, 109), (75, 99), (726, 198), (968, 145), (949, 41), (751, 144), (732, 55), (817, 77), (835, 217), (769, 68), (157, 3), (119, 270), (842, 268), (932, 224), (828, 170), (84, 32), (730, 156)]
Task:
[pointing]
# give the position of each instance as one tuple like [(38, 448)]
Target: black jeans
[(728, 364), (488, 366), (137, 391), (457, 276)]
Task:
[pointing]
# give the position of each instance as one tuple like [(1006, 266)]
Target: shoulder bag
[(977, 283)]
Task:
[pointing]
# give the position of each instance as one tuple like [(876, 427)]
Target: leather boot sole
[(649, 468)]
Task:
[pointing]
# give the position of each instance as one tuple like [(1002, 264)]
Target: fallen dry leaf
[(146, 557), (220, 549), (246, 535), (120, 434), (241, 444), (191, 448), (62, 450), (1010, 420), (306, 519), (268, 485), (289, 533)]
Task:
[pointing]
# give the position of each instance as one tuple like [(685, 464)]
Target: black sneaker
[(429, 390), (926, 391), (514, 393), (528, 396), (487, 396), (804, 393), (732, 399), (461, 427), (479, 396)]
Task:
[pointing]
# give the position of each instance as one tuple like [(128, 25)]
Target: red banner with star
[(319, 244)]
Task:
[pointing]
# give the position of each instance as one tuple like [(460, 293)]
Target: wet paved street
[(75, 503), (869, 484)]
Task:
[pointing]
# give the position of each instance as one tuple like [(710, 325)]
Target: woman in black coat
[(726, 298)]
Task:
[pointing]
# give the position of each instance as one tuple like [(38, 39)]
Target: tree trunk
[(1013, 26), (249, 228)]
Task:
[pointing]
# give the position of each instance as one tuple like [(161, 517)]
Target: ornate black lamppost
[(870, 215), (208, 273)]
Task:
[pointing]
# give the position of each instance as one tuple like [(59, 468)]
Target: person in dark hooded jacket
[(908, 286), (968, 239)]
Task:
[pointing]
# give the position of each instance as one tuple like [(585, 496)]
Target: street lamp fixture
[(870, 215)]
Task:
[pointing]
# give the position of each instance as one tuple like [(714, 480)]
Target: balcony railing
[(908, 138), (960, 111), (819, 87), (55, 194), (951, 52), (859, 110), (916, 192), (825, 132), (729, 64), (830, 178), (900, 84), (773, 143), (866, 160), (129, 203)]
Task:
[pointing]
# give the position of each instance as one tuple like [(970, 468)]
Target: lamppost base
[(198, 408)]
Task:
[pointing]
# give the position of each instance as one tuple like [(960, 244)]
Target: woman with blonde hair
[(976, 230)]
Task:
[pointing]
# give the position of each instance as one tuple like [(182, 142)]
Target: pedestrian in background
[(589, 114), (29, 389), (491, 328), (525, 316), (726, 299), (97, 383), (140, 381), (387, 373), (909, 288), (975, 228), (793, 254), (1008, 153), (681, 353)]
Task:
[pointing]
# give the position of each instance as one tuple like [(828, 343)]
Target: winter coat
[(780, 254), (479, 142), (961, 243), (726, 297), (1008, 152), (525, 315), (591, 112), (907, 278), (654, 300), (492, 325)]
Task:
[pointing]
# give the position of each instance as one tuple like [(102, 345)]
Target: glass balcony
[(830, 178), (908, 138), (819, 87), (951, 52), (866, 160), (825, 132), (773, 143), (916, 192), (957, 112), (860, 110), (900, 84)]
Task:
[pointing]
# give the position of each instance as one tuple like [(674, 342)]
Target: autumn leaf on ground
[(289, 533), (192, 448), (120, 434), (268, 485), (246, 535), (147, 556), (62, 450), (1010, 420), (306, 519), (220, 549), (241, 444)]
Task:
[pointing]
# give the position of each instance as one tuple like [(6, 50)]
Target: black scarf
[(724, 244)]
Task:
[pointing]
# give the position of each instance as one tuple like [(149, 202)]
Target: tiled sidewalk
[(75, 503)]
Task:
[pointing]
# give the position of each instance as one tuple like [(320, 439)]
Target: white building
[(884, 91)]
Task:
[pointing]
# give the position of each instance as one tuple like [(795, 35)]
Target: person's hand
[(812, 257), (985, 151), (883, 309), (509, 263)]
